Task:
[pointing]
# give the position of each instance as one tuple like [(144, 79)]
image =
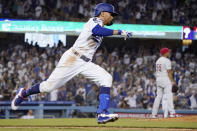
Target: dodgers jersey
[(87, 43), (162, 65)]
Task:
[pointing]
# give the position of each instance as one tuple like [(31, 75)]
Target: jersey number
[(158, 67)]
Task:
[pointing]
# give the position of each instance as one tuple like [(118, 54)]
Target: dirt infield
[(188, 118)]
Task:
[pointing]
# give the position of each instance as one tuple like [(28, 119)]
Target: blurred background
[(27, 57)]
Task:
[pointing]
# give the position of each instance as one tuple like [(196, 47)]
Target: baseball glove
[(175, 88)]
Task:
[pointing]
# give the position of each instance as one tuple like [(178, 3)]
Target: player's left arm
[(175, 88), (168, 67)]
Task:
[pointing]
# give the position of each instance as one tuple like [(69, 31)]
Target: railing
[(68, 106)]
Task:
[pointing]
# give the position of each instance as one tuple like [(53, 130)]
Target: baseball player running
[(164, 81), (77, 60)]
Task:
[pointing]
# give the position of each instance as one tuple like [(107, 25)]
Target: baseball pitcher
[(77, 60), (164, 81)]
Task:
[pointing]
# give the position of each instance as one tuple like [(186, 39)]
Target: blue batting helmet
[(104, 7)]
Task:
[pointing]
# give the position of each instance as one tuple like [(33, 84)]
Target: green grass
[(79, 129), (88, 124)]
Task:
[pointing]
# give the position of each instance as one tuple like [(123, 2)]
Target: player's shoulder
[(166, 60), (95, 20), (163, 59)]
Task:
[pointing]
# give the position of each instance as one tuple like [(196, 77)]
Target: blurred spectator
[(91, 97), (135, 12), (62, 94), (145, 101), (79, 99), (29, 115), (193, 100), (6, 95), (81, 90), (123, 103), (1, 95), (131, 100)]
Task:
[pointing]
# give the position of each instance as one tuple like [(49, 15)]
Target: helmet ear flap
[(96, 12)]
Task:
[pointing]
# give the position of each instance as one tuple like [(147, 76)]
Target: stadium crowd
[(169, 12), (132, 69)]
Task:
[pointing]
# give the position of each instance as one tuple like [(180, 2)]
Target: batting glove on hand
[(124, 33)]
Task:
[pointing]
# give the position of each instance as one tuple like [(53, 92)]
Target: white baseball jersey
[(87, 43), (72, 64), (162, 65)]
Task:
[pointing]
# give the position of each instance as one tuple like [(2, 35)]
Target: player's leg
[(165, 105), (157, 101), (68, 66), (171, 105), (104, 80), (169, 95)]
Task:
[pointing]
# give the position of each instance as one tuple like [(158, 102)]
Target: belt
[(81, 56)]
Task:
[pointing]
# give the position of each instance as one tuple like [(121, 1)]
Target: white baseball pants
[(71, 65), (164, 89)]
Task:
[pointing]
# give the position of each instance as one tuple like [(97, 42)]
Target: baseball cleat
[(165, 117), (174, 115), (18, 99), (114, 117), (104, 118), (153, 117)]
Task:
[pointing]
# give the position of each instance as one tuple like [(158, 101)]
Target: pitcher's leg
[(169, 95), (157, 101), (171, 104), (165, 105)]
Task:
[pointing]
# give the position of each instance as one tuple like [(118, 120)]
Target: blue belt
[(85, 58), (82, 56)]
